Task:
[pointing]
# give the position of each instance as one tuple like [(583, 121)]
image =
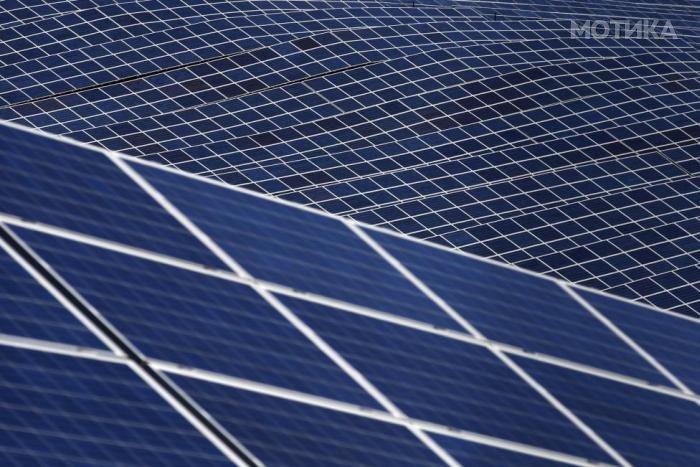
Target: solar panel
[(36, 74), (257, 131), (501, 200), (101, 115), (339, 121), (195, 320), (446, 381), (28, 310), (373, 349), (472, 453), (279, 431), (82, 190), (673, 342), (426, 107), (68, 411), (646, 427), (360, 109), (637, 234)]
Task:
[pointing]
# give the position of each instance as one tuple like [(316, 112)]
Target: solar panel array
[(493, 127), (150, 317)]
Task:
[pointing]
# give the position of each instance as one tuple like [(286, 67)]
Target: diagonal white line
[(52, 290)]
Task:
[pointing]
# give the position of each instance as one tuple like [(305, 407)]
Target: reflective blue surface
[(299, 249), (195, 320), (674, 342), (467, 453), (79, 189), (519, 309), (282, 432), (490, 127), (445, 381), (60, 410), (503, 129), (645, 427), (28, 310)]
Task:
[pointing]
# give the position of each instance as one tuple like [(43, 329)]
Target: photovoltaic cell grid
[(667, 430), (535, 315), (285, 432), (276, 389), (289, 433), (482, 126)]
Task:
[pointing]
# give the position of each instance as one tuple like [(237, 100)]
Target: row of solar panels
[(472, 125), (307, 339), (28, 11)]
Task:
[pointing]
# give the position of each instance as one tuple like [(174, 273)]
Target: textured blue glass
[(645, 427), (445, 381), (60, 410), (673, 341), (79, 189), (295, 248), (519, 309), (467, 453), (283, 432), (196, 320), (28, 310)]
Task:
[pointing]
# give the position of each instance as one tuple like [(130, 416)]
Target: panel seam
[(77, 351), (366, 412)]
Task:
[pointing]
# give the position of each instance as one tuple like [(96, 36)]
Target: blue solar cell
[(28, 310), (645, 427), (535, 313), (196, 320), (445, 381), (673, 341), (60, 410), (79, 189), (295, 248), (467, 453), (282, 432)]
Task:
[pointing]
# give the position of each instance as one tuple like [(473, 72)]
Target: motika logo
[(623, 29)]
